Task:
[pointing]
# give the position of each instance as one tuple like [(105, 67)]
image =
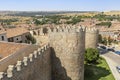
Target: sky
[(60, 5)]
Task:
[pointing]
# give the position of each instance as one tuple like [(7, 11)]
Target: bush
[(31, 39), (91, 55)]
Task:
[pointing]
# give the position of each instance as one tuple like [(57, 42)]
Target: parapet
[(67, 29), (92, 30), (64, 28), (9, 73)]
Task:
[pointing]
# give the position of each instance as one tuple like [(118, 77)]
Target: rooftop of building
[(8, 48), (16, 31), (10, 53)]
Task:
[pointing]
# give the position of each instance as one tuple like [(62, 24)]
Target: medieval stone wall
[(68, 46), (63, 59), (14, 57), (36, 66), (91, 35), (91, 38)]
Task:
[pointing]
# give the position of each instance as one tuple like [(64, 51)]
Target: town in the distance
[(59, 45)]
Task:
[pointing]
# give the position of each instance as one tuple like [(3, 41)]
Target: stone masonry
[(68, 45), (68, 48), (91, 38), (36, 66), (61, 59)]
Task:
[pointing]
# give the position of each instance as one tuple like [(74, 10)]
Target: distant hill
[(112, 13), (32, 13)]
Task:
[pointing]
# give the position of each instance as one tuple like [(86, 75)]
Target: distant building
[(107, 33), (115, 35), (3, 36), (17, 35)]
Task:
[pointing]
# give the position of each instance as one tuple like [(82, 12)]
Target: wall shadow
[(58, 71)]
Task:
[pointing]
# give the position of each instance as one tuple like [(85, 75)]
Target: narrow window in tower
[(2, 38)]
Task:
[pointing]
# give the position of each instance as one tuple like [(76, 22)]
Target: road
[(113, 60)]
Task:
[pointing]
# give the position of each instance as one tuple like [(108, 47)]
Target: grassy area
[(99, 71)]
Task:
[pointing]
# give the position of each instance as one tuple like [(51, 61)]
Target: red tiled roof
[(9, 48), (16, 32), (10, 53)]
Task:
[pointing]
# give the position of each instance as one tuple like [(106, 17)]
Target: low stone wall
[(35, 66)]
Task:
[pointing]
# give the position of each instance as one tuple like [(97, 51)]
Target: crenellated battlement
[(66, 29), (12, 70), (89, 33), (65, 53), (91, 30), (63, 28)]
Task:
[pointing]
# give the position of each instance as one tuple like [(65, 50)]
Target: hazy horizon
[(54, 11)]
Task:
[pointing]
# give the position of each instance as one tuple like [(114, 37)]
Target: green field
[(99, 71)]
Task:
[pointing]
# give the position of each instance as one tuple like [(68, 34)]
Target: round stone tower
[(91, 38), (67, 48)]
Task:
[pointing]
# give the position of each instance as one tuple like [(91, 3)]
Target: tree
[(104, 41), (91, 55), (31, 39), (36, 22), (100, 38), (109, 40)]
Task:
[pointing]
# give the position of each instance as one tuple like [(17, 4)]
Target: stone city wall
[(91, 38), (91, 34), (35, 66), (67, 49)]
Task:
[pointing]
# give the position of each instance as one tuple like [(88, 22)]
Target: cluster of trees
[(8, 21), (47, 19), (108, 24), (38, 22), (103, 17), (105, 40), (55, 19), (74, 20)]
